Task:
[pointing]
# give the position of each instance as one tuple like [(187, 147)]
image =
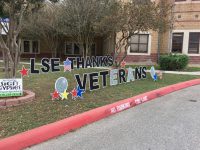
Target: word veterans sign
[(110, 77), (96, 80), (11, 87)]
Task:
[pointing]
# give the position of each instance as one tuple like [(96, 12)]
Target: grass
[(192, 69), (43, 110)]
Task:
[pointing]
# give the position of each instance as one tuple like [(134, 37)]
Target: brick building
[(186, 32), (184, 38)]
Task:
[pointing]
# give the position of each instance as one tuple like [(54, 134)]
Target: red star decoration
[(123, 64), (74, 93), (24, 71), (55, 95)]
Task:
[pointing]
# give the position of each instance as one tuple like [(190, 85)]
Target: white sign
[(11, 87)]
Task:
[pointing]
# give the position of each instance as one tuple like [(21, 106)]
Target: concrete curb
[(46, 132)]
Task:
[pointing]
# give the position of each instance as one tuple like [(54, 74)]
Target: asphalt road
[(171, 122)]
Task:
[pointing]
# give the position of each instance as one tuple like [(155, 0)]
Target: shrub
[(173, 62)]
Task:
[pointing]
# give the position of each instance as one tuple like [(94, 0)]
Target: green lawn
[(192, 69), (43, 110)]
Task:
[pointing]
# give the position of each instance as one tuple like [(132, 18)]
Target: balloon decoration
[(61, 87), (156, 74), (153, 74)]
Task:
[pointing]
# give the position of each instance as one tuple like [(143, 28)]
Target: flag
[(67, 65)]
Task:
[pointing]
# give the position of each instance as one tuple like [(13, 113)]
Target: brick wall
[(44, 55), (194, 60), (141, 59)]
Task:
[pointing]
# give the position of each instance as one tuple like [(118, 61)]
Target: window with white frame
[(30, 46), (139, 43), (177, 42), (194, 43)]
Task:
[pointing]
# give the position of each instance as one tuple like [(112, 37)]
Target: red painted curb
[(46, 132)]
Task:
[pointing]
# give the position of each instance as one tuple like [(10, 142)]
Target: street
[(171, 122)]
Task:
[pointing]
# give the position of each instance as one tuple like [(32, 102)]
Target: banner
[(11, 87)]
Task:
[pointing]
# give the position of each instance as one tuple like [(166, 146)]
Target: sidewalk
[(181, 72)]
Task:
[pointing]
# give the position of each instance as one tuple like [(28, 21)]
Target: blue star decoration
[(155, 77), (80, 92), (67, 65)]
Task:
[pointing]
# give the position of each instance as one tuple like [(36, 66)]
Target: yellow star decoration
[(64, 95)]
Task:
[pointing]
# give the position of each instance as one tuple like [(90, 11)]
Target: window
[(179, 16), (194, 43), (71, 49), (76, 49), (177, 43), (139, 43), (29, 46), (179, 0), (35, 47), (196, 16)]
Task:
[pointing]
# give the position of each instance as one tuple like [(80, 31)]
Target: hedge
[(173, 62)]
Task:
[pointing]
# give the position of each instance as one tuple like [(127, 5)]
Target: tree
[(15, 11), (165, 22), (141, 16), (44, 24), (82, 19), (85, 19)]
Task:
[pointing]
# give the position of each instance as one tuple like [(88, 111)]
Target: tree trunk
[(81, 47), (6, 64), (121, 47), (11, 55), (159, 46), (86, 49), (8, 59), (54, 52)]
